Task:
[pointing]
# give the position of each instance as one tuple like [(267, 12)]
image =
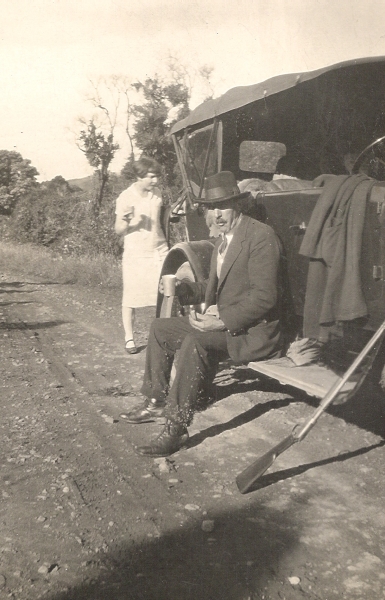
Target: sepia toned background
[(50, 49)]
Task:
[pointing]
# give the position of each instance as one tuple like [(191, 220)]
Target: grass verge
[(34, 261)]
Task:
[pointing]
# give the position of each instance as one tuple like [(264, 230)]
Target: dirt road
[(83, 517)]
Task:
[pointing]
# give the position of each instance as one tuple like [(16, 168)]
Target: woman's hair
[(145, 165)]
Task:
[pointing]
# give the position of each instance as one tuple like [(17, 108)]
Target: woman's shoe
[(130, 347)]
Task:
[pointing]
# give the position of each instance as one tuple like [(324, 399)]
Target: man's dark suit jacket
[(247, 292)]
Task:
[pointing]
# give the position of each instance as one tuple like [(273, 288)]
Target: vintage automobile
[(279, 137)]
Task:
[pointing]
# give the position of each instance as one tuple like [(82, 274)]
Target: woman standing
[(138, 219)]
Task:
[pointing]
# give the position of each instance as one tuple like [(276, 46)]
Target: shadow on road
[(30, 325), (236, 561), (8, 284), (241, 419), (366, 409), (271, 478), (22, 284), (18, 302)]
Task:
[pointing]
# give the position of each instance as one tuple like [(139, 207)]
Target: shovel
[(253, 472)]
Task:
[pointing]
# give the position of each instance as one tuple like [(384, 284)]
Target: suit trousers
[(198, 356)]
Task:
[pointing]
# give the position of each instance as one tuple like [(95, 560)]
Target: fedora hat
[(220, 187)]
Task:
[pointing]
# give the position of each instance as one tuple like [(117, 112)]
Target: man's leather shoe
[(147, 412), (172, 438)]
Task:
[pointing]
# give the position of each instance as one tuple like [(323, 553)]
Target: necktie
[(221, 254), (223, 246)]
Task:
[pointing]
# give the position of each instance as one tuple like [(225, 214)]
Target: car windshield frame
[(199, 155)]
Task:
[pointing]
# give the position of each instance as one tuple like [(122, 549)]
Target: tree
[(142, 113), (165, 100), (152, 124), (97, 141), (99, 150), (17, 178)]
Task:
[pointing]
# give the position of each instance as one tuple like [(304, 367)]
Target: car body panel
[(329, 121)]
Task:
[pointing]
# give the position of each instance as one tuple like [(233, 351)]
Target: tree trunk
[(98, 198)]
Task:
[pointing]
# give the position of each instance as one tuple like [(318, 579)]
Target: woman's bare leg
[(128, 316)]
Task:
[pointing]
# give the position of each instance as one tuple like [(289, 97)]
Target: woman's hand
[(137, 222), (121, 225), (161, 286)]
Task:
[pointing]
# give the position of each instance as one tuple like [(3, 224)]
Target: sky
[(51, 49)]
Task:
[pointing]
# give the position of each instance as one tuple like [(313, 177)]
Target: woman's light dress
[(145, 247)]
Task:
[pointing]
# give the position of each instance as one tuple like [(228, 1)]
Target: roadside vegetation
[(33, 261), (64, 230)]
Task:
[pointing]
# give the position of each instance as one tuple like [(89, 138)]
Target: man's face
[(225, 215)]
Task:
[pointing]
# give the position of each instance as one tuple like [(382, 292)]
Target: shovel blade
[(253, 472)]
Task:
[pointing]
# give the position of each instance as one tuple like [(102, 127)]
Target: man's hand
[(207, 322)]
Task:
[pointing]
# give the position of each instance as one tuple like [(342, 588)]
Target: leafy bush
[(61, 217), (17, 178)]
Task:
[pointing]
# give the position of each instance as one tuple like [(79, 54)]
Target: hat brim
[(220, 200)]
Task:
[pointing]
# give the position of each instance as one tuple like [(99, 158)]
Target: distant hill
[(117, 183), (85, 183)]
